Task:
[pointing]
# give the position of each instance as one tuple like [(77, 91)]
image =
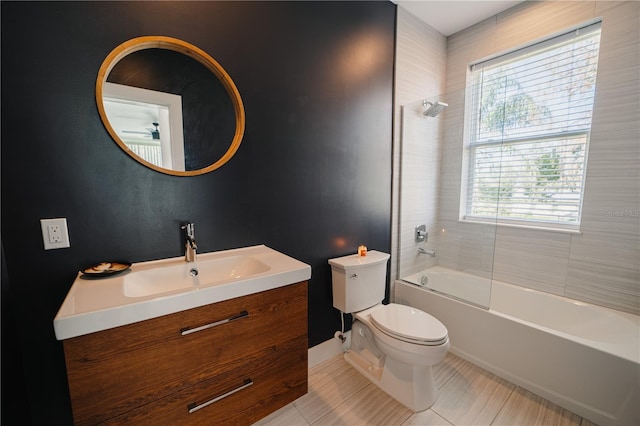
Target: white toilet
[(392, 345)]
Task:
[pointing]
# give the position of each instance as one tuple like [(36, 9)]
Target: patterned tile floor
[(467, 395)]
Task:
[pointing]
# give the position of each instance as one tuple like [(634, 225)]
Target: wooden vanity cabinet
[(232, 362)]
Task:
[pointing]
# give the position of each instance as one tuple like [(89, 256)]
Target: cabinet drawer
[(114, 371), (264, 383)]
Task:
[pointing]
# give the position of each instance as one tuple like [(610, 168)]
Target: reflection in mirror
[(148, 122), (170, 105)]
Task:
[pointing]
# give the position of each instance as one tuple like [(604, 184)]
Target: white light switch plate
[(55, 234)]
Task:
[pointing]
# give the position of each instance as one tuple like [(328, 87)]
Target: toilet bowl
[(393, 345), (407, 334)]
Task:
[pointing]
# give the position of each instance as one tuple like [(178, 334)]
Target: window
[(528, 116)]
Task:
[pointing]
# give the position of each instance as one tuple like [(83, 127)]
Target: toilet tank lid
[(354, 261)]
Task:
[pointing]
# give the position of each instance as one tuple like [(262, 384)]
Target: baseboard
[(328, 349)]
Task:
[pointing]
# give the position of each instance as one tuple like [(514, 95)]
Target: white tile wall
[(474, 43), (532, 258), (602, 264), (530, 21), (420, 74)]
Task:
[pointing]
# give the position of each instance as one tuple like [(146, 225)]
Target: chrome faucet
[(190, 246), (431, 253)]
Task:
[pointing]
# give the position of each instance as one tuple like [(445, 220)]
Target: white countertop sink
[(162, 287), (166, 278)]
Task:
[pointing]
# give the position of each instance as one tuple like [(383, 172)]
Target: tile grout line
[(301, 415), (504, 404)]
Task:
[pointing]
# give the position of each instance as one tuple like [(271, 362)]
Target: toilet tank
[(358, 281)]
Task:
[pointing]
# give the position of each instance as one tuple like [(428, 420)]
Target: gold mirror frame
[(176, 45)]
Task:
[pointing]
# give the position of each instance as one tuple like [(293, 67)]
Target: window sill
[(572, 231)]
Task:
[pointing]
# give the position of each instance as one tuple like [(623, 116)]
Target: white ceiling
[(449, 17)]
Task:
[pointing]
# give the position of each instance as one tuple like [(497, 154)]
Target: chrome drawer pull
[(193, 407), (185, 331)]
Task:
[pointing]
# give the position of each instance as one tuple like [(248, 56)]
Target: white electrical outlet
[(55, 234)]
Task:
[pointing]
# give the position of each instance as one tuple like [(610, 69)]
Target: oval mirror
[(170, 105)]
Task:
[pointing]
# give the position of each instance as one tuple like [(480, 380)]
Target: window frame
[(472, 142)]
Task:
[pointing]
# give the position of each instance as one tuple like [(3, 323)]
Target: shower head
[(432, 109)]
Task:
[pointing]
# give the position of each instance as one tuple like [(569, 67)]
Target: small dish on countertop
[(104, 269)]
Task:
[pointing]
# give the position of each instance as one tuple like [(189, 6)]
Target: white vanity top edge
[(110, 308)]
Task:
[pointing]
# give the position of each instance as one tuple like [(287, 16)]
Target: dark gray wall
[(312, 177)]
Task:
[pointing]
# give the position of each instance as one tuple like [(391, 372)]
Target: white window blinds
[(529, 118)]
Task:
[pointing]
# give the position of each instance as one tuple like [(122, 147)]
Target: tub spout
[(431, 253)]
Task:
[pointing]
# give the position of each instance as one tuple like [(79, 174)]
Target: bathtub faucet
[(190, 246), (431, 253)]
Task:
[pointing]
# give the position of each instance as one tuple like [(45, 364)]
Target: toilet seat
[(409, 325)]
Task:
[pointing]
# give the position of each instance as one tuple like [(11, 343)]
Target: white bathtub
[(459, 285), (582, 357)]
